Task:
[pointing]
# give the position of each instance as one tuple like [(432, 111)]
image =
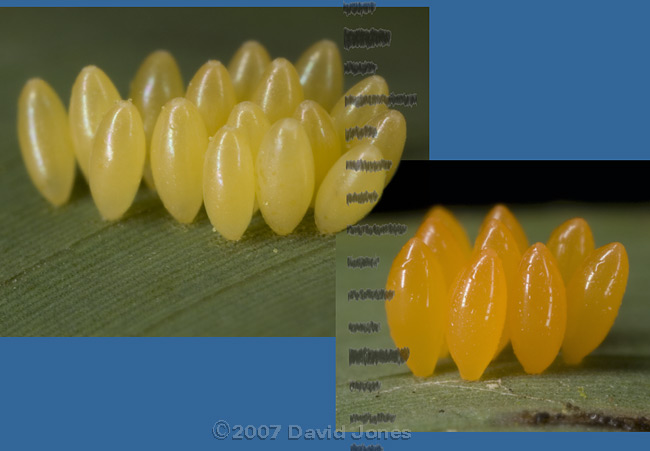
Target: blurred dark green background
[(55, 43), (66, 272)]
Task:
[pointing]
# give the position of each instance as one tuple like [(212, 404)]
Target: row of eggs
[(258, 134), (471, 302)]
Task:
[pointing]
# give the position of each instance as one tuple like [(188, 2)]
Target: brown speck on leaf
[(589, 419)]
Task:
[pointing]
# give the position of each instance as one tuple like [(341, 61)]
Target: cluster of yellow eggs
[(473, 301), (259, 134)]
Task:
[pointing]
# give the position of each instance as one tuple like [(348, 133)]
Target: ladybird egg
[(594, 296), (538, 312), (284, 175), (570, 244), (390, 138), (247, 67), (45, 142), (333, 211), (324, 142), (417, 312), (213, 94), (117, 160), (477, 314), (93, 94), (503, 214), (279, 91), (321, 73), (495, 235), (229, 183), (157, 81), (453, 225), (439, 238), (178, 146), (350, 116), (251, 120)]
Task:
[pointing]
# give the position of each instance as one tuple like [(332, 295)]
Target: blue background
[(160, 393), (164, 393), (551, 79)]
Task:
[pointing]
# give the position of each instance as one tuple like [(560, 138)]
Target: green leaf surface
[(66, 272), (610, 390)]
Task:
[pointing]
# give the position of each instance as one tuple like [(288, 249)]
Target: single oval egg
[(570, 244), (45, 142), (417, 312), (279, 91), (477, 314), (503, 214), (347, 194), (366, 92), (439, 238), (247, 67), (229, 183), (390, 137), (594, 295), (496, 236), (253, 123), (249, 118), (157, 81), (213, 94), (284, 175), (453, 225), (93, 95), (117, 160), (321, 73), (538, 312), (178, 147), (322, 135)]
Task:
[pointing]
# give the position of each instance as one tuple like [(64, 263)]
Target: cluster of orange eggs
[(473, 301)]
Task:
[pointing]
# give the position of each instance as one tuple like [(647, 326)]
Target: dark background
[(422, 184), (55, 43)]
